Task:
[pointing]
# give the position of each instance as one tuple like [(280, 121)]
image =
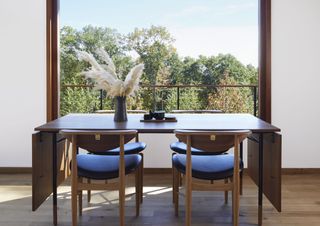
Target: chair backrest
[(96, 141), (212, 141)]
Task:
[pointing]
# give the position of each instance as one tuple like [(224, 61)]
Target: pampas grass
[(105, 76)]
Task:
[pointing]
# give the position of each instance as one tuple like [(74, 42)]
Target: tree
[(231, 99), (163, 66), (154, 46)]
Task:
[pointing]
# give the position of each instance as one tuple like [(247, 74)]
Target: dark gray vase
[(120, 114)]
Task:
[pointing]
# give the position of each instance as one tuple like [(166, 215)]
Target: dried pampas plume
[(105, 77)]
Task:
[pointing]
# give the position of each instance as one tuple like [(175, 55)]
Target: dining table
[(51, 150)]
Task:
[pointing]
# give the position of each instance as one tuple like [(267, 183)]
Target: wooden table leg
[(260, 194), (241, 172), (54, 179)]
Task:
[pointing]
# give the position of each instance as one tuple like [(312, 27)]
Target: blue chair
[(102, 167), (181, 148), (129, 148), (208, 167)]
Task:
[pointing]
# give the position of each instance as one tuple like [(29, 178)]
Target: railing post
[(178, 98), (255, 100), (161, 94), (101, 99), (154, 98)]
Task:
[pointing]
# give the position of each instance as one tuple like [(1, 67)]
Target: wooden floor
[(301, 204)]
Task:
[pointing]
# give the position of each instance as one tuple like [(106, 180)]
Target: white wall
[(22, 78), (157, 153), (296, 79)]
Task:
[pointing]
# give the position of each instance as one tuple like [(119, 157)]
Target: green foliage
[(154, 47), (163, 66), (188, 99), (89, 38), (230, 99)]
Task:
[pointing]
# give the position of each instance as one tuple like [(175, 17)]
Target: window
[(163, 98)]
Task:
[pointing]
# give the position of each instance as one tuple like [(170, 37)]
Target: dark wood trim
[(15, 170), (297, 171), (52, 59), (48, 59), (265, 60), (294, 171)]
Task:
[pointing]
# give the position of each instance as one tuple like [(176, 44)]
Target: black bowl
[(147, 117), (159, 115)]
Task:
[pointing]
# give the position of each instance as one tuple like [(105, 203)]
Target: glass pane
[(197, 54)]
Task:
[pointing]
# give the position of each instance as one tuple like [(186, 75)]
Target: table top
[(184, 121)]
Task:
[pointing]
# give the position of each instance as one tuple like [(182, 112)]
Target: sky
[(199, 27)]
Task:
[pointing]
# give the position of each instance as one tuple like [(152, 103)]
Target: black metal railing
[(178, 90)]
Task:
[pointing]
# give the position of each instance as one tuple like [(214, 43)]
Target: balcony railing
[(178, 89)]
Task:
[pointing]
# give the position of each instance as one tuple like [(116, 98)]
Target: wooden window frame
[(264, 66), (52, 55)]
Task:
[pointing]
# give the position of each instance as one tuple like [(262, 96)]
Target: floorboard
[(301, 204)]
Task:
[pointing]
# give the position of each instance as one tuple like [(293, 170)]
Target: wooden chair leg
[(236, 192), (180, 179), (173, 180), (232, 199), (236, 208), (232, 205), (80, 203), (74, 182), (176, 176), (141, 178), (121, 204), (188, 201), (241, 177), (80, 198), (122, 183), (89, 192), (74, 196), (236, 183), (138, 190), (226, 192)]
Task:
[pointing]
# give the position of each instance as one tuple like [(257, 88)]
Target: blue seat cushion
[(181, 148), (102, 167), (212, 167), (129, 148)]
